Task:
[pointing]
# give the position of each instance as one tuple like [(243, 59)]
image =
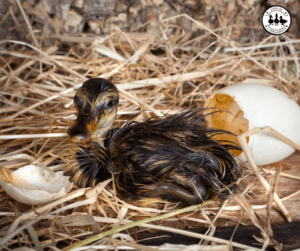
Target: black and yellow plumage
[(174, 157)]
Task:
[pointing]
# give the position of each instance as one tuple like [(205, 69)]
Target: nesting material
[(256, 105), (35, 185)]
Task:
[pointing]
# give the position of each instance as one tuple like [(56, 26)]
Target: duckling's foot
[(172, 191)]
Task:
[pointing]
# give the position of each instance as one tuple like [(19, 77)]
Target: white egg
[(257, 105)]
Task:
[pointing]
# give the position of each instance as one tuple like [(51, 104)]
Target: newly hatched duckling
[(172, 158)]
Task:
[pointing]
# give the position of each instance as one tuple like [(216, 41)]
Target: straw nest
[(155, 75)]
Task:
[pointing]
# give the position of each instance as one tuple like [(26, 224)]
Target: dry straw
[(157, 75)]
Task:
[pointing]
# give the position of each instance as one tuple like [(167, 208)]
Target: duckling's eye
[(110, 104)]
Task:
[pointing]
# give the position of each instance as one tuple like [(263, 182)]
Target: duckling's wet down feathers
[(173, 157)]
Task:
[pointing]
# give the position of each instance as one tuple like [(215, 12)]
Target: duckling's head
[(96, 103)]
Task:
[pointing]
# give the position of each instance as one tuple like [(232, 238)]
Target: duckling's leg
[(172, 191)]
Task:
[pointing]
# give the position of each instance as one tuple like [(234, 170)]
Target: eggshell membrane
[(262, 106)]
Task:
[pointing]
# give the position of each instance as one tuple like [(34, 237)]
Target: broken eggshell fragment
[(34, 185), (257, 105)]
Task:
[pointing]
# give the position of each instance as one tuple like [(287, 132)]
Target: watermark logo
[(276, 20)]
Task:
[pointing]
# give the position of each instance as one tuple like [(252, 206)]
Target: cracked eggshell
[(35, 185), (257, 105)]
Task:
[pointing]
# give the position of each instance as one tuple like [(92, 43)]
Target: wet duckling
[(173, 157)]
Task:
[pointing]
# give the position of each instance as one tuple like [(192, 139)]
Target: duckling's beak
[(84, 127)]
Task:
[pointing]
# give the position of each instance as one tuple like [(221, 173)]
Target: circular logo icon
[(276, 20)]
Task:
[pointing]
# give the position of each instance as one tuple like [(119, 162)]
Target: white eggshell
[(35, 185), (266, 106)]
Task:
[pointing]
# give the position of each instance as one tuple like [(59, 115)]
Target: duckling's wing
[(162, 150)]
